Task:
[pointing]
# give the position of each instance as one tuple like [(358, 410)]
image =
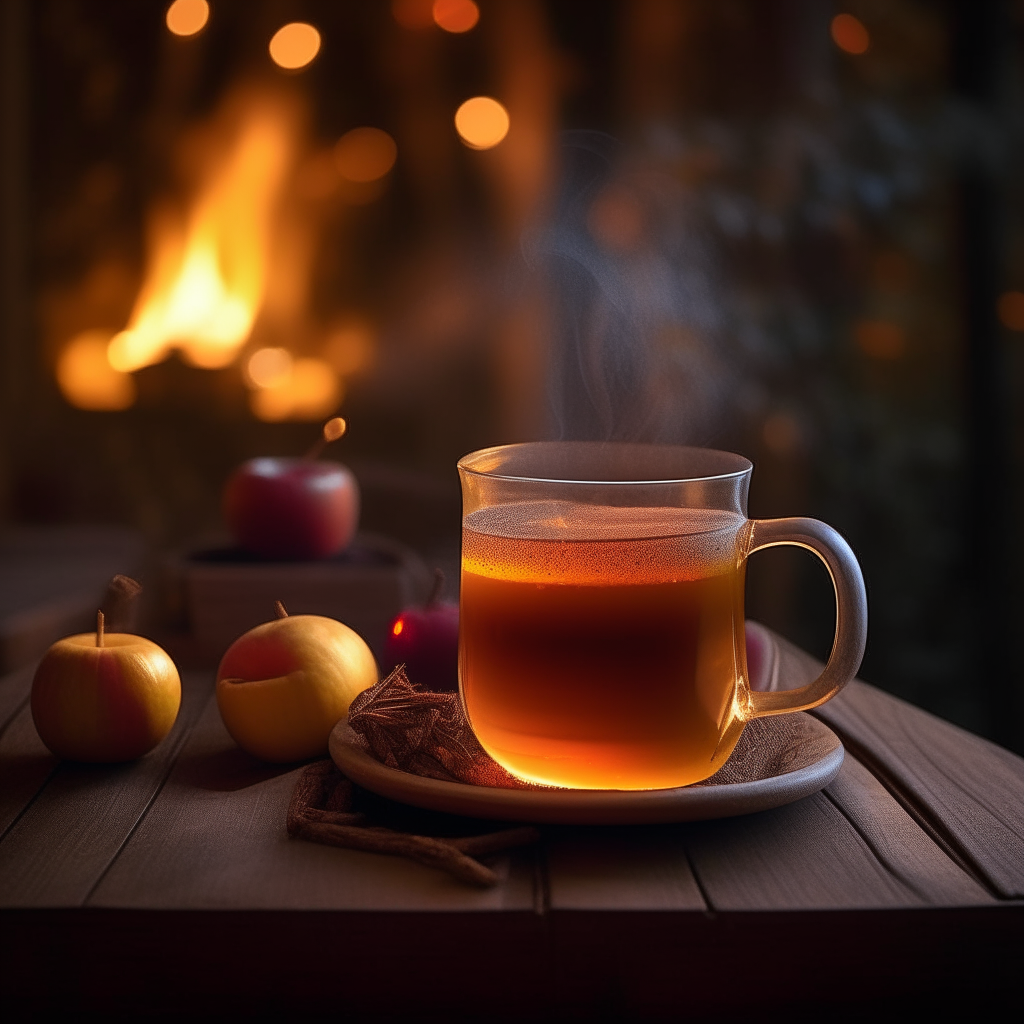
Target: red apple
[(292, 507), (426, 640)]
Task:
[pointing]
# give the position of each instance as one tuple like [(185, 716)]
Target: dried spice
[(322, 810), (424, 733)]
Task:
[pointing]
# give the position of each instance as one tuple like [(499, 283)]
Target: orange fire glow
[(397, 628), (350, 348), (86, 378), (299, 389), (207, 277)]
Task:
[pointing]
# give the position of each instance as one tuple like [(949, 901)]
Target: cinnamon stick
[(321, 811)]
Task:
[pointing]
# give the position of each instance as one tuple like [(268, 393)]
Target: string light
[(481, 122), (365, 154), (1011, 310), (187, 17), (455, 16), (294, 45), (850, 35)]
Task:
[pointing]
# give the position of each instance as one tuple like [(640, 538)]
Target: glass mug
[(601, 636)]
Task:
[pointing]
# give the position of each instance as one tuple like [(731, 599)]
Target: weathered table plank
[(619, 869), (25, 766), (827, 852), (14, 693), (966, 792), (58, 849), (215, 838)]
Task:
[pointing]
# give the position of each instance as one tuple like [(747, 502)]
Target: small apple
[(297, 508), (104, 696), (283, 686), (426, 640)]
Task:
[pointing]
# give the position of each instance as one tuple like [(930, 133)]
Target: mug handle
[(851, 612)]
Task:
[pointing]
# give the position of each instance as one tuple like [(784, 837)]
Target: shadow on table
[(227, 771)]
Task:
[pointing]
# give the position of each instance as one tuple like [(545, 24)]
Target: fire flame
[(207, 277)]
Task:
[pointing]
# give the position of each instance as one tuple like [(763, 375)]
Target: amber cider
[(601, 647)]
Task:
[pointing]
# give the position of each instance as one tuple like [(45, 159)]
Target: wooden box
[(227, 591)]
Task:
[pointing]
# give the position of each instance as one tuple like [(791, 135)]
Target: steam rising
[(636, 323)]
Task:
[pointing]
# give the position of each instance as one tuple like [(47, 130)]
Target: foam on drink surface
[(552, 542)]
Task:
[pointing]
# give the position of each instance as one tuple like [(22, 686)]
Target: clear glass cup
[(601, 613)]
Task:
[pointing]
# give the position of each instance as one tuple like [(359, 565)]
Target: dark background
[(819, 245)]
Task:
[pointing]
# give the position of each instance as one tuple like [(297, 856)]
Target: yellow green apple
[(283, 686), (104, 697)]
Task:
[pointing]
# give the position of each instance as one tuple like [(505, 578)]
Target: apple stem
[(435, 593), (332, 430), (99, 628), (280, 611)]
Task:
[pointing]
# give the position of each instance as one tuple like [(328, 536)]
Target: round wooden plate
[(777, 760)]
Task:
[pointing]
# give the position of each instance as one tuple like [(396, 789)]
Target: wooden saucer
[(777, 760)]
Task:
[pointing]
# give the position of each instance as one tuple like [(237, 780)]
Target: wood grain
[(966, 792), (851, 847), (639, 868), (59, 848), (215, 839), (25, 766), (15, 688)]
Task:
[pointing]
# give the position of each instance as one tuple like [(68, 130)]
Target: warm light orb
[(849, 34), (309, 392), (781, 433), (268, 367), (455, 15), (365, 154), (350, 348), (334, 429), (86, 378), (294, 45), (1011, 310), (396, 629), (414, 15), (187, 17), (880, 339), (481, 122)]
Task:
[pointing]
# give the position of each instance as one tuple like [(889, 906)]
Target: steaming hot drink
[(601, 647), (601, 638)]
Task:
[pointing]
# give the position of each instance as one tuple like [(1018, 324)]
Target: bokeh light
[(1011, 310), (310, 391), (365, 154), (294, 45), (86, 378), (880, 339), (455, 15), (187, 17), (350, 348), (781, 433), (481, 122), (849, 34), (268, 367), (414, 15)]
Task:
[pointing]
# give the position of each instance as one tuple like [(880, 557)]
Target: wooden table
[(169, 887)]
